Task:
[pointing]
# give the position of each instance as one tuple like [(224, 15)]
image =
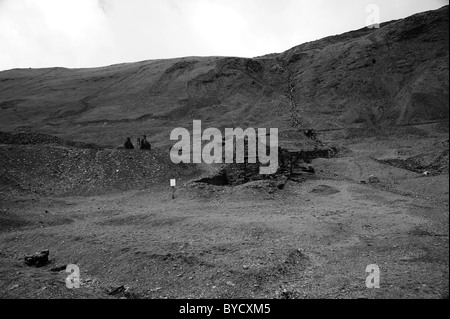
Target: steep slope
[(397, 74)]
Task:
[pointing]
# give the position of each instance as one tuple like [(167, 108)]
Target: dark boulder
[(128, 145), (145, 145), (38, 259)]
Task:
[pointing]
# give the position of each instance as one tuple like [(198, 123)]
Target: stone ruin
[(292, 165)]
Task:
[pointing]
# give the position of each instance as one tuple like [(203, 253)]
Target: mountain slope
[(397, 74)]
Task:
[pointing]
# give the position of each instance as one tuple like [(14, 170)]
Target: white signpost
[(173, 184)]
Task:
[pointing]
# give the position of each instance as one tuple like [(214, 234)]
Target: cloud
[(41, 33), (105, 5), (84, 33)]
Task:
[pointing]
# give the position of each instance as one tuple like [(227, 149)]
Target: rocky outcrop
[(38, 259)]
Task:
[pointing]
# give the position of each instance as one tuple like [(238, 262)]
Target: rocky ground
[(308, 239), (82, 170)]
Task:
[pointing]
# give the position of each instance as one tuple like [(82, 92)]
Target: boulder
[(59, 268), (38, 259)]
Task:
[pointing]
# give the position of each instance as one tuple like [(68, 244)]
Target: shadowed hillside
[(397, 74), (37, 164)]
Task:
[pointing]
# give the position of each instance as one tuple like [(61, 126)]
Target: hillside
[(40, 165), (394, 75)]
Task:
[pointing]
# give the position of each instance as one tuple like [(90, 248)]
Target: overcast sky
[(87, 33)]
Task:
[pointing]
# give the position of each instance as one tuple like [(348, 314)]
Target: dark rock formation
[(128, 145), (145, 145), (38, 259)]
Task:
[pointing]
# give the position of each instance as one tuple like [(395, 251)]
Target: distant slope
[(393, 75)]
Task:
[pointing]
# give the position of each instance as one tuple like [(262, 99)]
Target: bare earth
[(310, 240)]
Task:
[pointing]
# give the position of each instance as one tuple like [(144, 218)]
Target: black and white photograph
[(246, 152)]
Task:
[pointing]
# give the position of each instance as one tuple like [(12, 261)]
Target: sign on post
[(173, 183)]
